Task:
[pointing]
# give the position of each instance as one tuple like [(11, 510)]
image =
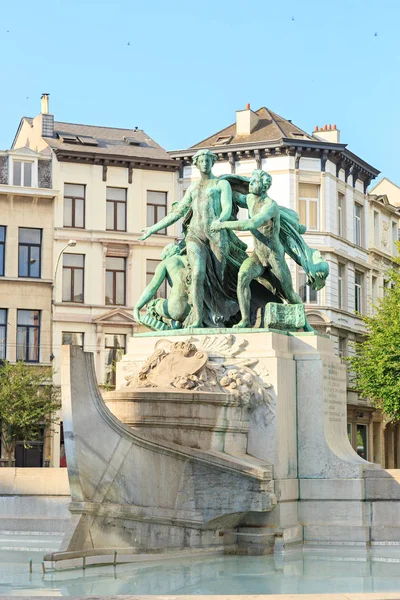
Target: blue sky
[(179, 69)]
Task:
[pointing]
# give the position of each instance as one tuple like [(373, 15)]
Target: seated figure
[(165, 313)]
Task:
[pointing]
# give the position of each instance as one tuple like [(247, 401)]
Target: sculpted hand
[(136, 314), (216, 226), (146, 233)]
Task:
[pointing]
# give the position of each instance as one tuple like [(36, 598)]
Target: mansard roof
[(271, 127), (77, 141)]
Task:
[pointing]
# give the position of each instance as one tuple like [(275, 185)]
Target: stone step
[(33, 525), (382, 484)]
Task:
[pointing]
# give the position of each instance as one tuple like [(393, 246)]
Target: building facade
[(26, 267), (106, 185), (327, 185)]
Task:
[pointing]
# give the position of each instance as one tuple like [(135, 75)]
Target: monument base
[(229, 440)]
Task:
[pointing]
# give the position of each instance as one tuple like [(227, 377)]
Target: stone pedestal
[(228, 468)]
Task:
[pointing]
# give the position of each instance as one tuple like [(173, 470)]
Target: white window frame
[(307, 202), (341, 286), (374, 289), (23, 159), (341, 213), (376, 225), (358, 221), (358, 292)]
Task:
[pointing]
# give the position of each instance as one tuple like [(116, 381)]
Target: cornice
[(115, 160), (336, 153)]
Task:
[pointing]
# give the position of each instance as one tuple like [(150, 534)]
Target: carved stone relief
[(205, 364)]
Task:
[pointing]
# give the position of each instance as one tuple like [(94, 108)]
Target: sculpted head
[(204, 160), (260, 182), (170, 250)]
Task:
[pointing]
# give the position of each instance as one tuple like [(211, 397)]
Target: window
[(116, 209), (3, 333), (395, 237), (342, 347), (28, 331), (2, 248), (307, 294), (376, 229), (357, 224), (308, 205), (29, 252), (156, 208), (70, 338), (151, 266), (358, 291), (115, 280), (385, 287), (341, 274), (74, 205), (374, 289), (340, 214), (362, 441), (22, 173), (350, 432), (115, 348), (73, 277)]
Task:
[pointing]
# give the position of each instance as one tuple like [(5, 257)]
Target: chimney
[(246, 121), (47, 119), (327, 133), (45, 104)]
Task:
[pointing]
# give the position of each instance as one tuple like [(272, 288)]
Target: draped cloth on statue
[(225, 253), (290, 234)]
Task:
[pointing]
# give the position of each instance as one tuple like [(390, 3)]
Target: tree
[(376, 362), (28, 402)]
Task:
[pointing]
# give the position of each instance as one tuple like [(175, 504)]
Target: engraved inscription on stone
[(334, 391)]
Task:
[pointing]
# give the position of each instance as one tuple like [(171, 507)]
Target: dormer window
[(222, 140), (68, 138), (22, 173), (132, 141), (87, 140)]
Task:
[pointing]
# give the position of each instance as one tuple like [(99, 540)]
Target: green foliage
[(28, 402), (376, 363)]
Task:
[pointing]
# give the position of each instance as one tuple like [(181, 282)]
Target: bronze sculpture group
[(214, 282)]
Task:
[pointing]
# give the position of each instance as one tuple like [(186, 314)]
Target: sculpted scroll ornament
[(206, 364)]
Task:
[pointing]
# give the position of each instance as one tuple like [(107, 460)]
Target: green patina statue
[(268, 257), (214, 283), (171, 312)]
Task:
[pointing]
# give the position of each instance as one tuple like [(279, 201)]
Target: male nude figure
[(175, 308), (264, 224), (210, 199)]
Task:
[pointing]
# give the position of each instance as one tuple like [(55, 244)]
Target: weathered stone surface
[(324, 448), (44, 174), (4, 170), (135, 491), (332, 489), (182, 472)]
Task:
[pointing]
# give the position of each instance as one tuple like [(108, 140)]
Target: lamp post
[(71, 244), (55, 438)]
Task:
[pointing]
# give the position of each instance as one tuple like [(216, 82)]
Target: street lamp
[(71, 244)]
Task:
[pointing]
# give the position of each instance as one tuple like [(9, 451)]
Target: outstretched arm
[(150, 291), (265, 214), (173, 216)]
